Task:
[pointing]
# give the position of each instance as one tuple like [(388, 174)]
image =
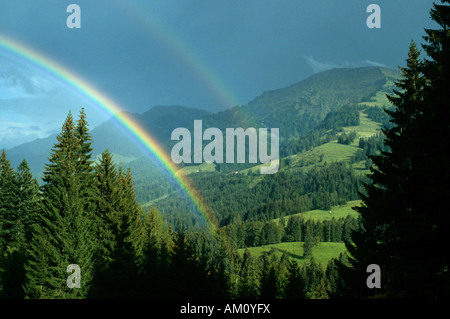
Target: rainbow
[(74, 81), (155, 28)]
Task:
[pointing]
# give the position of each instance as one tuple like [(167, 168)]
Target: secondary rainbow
[(155, 28), (74, 81)]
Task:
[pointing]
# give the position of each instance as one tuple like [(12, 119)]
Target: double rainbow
[(127, 123)]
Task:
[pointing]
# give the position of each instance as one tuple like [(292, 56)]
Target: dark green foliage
[(309, 242), (347, 139), (293, 230), (193, 271), (278, 194), (27, 189), (8, 200), (153, 262), (295, 283), (19, 194), (346, 116), (323, 133), (314, 280), (275, 195), (254, 233), (88, 214), (248, 285), (62, 234), (270, 283), (370, 146), (379, 115), (405, 215), (118, 221)]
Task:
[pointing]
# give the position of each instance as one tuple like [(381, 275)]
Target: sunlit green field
[(322, 253)]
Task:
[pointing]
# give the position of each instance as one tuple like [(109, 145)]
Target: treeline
[(347, 139), (325, 132), (346, 116), (370, 146), (234, 198), (273, 277), (291, 229), (379, 115), (149, 181), (318, 188), (85, 216)]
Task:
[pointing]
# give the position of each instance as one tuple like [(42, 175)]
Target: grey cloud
[(25, 82), (320, 66)]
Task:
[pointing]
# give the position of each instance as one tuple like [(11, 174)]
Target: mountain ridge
[(295, 109)]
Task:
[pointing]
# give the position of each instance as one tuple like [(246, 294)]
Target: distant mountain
[(298, 108), (295, 109), (35, 152), (159, 121)]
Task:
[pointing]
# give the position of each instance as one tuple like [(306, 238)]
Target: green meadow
[(336, 212), (322, 253)]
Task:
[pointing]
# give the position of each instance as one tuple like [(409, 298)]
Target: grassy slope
[(332, 151), (322, 253), (341, 211)]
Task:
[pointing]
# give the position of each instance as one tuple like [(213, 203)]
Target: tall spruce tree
[(13, 258), (309, 242), (269, 288), (432, 166), (27, 189), (84, 163), (117, 220), (386, 204), (249, 281), (295, 284), (8, 201), (187, 276), (405, 216), (62, 234), (153, 264)]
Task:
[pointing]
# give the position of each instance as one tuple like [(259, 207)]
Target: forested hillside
[(128, 215), (363, 181)]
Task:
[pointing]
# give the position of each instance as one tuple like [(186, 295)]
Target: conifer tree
[(187, 277), (293, 231), (309, 242), (27, 189), (153, 263), (107, 199), (117, 217), (405, 216), (248, 285), (12, 240), (84, 162), (295, 285), (8, 200), (12, 260), (269, 280), (387, 202), (62, 233), (312, 275), (432, 177)]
